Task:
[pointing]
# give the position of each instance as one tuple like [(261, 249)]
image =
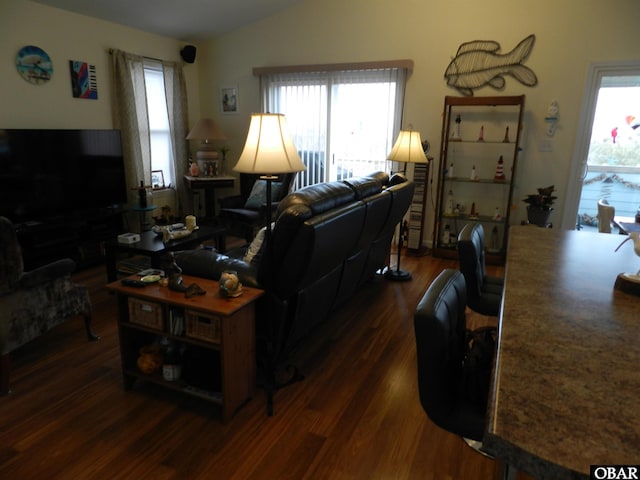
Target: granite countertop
[(567, 378)]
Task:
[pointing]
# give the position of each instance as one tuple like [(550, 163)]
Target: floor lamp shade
[(408, 148), (269, 148)]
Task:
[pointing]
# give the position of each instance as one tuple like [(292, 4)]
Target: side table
[(216, 336), (209, 185)]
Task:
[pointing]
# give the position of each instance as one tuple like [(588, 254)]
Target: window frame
[(167, 165)]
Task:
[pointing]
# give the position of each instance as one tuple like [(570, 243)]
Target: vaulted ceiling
[(182, 19)]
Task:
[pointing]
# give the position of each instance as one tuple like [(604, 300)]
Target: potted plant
[(539, 206)]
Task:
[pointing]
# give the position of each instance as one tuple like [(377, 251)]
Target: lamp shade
[(408, 148), (206, 129), (269, 148)]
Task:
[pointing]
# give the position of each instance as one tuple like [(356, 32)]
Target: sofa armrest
[(210, 264), (47, 273)]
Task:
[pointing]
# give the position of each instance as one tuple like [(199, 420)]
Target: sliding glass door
[(606, 164)]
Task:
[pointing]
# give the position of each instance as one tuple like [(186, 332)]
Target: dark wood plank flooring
[(356, 415)]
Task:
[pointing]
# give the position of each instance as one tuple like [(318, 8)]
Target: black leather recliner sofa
[(328, 239)]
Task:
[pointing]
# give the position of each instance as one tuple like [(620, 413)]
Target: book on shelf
[(176, 321)]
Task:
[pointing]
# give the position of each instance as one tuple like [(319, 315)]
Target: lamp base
[(628, 283), (207, 159), (397, 275)]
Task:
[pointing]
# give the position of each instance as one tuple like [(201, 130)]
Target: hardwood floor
[(356, 415)]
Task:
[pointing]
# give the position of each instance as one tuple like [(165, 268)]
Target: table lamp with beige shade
[(207, 131)]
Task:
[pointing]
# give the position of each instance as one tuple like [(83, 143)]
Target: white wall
[(66, 36), (569, 35)]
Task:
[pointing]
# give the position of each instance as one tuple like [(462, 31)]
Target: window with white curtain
[(343, 122), (159, 132)]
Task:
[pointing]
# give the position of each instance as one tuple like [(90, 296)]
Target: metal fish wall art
[(478, 63)]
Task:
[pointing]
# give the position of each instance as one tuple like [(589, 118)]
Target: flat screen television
[(57, 173)]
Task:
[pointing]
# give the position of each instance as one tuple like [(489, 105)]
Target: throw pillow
[(258, 195), (254, 252)]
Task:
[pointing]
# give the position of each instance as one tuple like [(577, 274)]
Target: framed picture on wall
[(157, 179), (229, 99)]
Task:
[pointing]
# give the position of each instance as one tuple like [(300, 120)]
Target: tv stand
[(79, 236)]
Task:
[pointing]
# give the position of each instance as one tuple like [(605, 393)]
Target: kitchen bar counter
[(566, 387)]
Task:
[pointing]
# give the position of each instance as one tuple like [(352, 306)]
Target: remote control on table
[(129, 282)]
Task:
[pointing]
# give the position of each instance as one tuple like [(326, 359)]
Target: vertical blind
[(343, 122)]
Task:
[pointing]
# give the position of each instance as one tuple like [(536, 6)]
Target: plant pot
[(538, 216)]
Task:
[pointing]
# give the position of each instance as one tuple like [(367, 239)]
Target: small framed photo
[(229, 99), (157, 179)]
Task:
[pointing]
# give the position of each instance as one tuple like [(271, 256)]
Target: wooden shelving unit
[(418, 208), (476, 133), (214, 335)]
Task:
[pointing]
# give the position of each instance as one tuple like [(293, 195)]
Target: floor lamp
[(407, 149), (269, 150)]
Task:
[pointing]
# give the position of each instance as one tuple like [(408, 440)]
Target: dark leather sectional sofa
[(328, 239)]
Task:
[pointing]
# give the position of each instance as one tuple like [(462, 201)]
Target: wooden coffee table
[(151, 245)]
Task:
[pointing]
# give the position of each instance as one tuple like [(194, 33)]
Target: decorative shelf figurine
[(493, 241), (499, 176), (449, 209), (473, 214), (456, 131), (506, 136), (446, 235)]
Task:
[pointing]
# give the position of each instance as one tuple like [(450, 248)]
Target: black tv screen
[(48, 173)]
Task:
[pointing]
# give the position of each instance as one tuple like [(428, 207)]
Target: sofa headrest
[(397, 178), (364, 186), (316, 199), (381, 177)]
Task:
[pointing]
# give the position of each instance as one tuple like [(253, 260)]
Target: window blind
[(343, 122)]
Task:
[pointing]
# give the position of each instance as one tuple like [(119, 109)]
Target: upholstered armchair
[(245, 213), (33, 302)]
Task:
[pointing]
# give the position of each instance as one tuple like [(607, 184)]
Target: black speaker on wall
[(188, 53)]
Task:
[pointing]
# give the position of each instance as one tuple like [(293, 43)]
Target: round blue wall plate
[(34, 65)]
